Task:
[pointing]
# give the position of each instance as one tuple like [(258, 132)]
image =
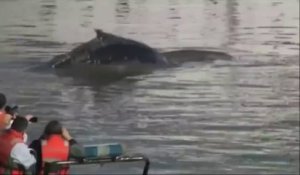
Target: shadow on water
[(94, 75), (97, 75)]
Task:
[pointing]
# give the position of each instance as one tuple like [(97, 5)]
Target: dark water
[(240, 116)]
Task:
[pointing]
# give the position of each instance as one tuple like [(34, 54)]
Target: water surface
[(240, 116)]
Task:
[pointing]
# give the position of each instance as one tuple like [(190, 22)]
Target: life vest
[(55, 148), (2, 120), (8, 139)]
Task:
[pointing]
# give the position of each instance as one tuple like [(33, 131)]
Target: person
[(5, 119), (55, 144), (15, 156)]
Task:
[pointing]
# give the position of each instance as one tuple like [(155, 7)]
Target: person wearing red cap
[(6, 118)]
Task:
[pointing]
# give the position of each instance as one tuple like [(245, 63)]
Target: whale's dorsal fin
[(99, 33)]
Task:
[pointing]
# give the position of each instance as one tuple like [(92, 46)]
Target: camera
[(13, 111)]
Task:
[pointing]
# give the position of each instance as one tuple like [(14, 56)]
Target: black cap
[(19, 124)]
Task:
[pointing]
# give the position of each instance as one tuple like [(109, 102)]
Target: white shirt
[(21, 154)]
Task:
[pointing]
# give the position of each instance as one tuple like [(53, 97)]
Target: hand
[(66, 134), (8, 119), (28, 116)]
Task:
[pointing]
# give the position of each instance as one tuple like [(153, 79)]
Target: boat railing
[(100, 160)]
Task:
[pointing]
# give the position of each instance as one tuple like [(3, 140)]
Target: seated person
[(55, 144), (14, 151)]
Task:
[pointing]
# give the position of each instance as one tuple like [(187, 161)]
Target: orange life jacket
[(2, 119), (8, 139), (55, 148)]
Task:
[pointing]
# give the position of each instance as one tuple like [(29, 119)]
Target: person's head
[(2, 100), (19, 124), (53, 127)]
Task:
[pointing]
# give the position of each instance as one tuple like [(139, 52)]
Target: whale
[(107, 49), (108, 57)]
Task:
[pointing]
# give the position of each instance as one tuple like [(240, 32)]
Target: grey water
[(239, 116)]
